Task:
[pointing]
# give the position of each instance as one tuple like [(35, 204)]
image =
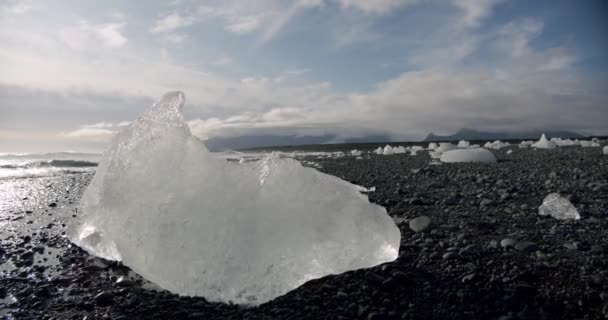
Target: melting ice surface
[(198, 225), (559, 208)]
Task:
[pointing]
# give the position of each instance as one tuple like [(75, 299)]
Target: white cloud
[(245, 24), (17, 7), (110, 34), (175, 38), (268, 17), (515, 86), (106, 125), (96, 132), (375, 6), (170, 22), (474, 10), (223, 61), (85, 35)]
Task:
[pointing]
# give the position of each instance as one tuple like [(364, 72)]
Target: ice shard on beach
[(196, 224), (559, 208)]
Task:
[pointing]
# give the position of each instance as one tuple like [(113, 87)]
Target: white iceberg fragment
[(355, 152), (399, 150), (565, 142), (543, 143), (379, 150), (463, 144), (605, 150), (496, 145), (559, 208), (525, 144), (589, 144), (432, 146), (434, 154), (445, 146), (468, 155), (387, 151), (196, 224)]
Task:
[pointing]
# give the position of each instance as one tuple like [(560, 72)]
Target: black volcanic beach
[(486, 253)]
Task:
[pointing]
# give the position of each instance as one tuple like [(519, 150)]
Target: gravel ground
[(479, 250)]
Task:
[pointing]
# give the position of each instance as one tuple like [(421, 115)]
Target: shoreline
[(456, 270)]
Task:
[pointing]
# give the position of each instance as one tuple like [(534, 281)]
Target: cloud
[(15, 7), (236, 20), (96, 132), (474, 10), (268, 17), (170, 22), (456, 72), (375, 6), (85, 35), (90, 133), (223, 61), (174, 38)]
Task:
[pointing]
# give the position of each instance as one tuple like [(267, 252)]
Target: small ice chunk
[(589, 144), (468, 155), (543, 143), (432, 146), (557, 207), (388, 150), (379, 150), (434, 154), (605, 150), (463, 144), (526, 143), (355, 152), (445, 146), (399, 150), (509, 151), (198, 225), (496, 145), (565, 142)]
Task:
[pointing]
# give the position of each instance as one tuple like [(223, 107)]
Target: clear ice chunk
[(468, 155), (559, 208), (198, 225)]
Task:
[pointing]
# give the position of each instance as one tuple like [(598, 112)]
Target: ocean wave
[(50, 163)]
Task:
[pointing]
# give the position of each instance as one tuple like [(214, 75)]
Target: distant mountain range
[(259, 141), (470, 134)]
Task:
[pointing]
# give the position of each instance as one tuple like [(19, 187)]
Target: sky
[(73, 72)]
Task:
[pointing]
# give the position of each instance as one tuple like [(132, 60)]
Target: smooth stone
[(507, 242), (104, 298), (449, 255), (420, 224), (526, 246)]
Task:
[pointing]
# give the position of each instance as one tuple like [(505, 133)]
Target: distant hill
[(470, 134), (259, 141)]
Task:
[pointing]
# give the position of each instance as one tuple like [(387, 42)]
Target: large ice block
[(196, 224)]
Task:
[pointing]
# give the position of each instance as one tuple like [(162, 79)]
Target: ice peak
[(168, 109)]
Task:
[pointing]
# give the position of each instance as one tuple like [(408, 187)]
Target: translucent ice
[(399, 150), (468, 155), (445, 146), (463, 144), (543, 143), (388, 150), (496, 145), (198, 225), (557, 207)]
